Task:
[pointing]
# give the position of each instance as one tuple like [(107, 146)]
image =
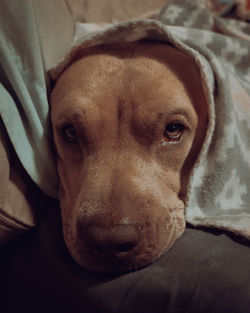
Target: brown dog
[(128, 123)]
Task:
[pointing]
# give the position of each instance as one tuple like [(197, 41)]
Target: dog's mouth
[(121, 247), (113, 262), (110, 261)]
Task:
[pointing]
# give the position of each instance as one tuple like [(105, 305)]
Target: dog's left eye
[(69, 133), (173, 132)]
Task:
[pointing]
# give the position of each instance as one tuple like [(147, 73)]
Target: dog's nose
[(117, 240)]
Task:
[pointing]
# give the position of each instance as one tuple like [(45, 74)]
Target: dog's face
[(128, 123)]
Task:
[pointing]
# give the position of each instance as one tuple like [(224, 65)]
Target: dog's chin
[(115, 263), (136, 259), (108, 264)]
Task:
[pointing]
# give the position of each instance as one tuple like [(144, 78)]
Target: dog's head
[(128, 122)]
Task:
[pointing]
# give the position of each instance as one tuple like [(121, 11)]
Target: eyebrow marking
[(166, 110), (183, 112), (76, 118)]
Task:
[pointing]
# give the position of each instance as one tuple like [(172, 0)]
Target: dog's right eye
[(173, 132), (69, 133)]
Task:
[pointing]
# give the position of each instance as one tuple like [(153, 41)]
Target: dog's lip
[(111, 255), (111, 263), (117, 263)]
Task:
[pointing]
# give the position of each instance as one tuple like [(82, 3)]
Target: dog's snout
[(116, 240)]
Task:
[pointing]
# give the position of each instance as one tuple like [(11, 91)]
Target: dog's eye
[(69, 133), (173, 132)]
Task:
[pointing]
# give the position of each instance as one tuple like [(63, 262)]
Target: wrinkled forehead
[(129, 68)]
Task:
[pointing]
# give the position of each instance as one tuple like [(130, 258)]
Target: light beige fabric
[(18, 194), (32, 36)]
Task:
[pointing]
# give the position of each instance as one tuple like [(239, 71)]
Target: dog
[(128, 123)]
